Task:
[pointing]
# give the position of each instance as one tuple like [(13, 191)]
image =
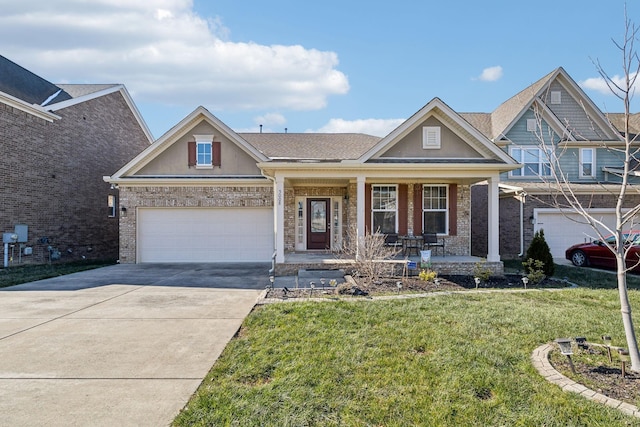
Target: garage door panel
[(205, 234), (564, 230)]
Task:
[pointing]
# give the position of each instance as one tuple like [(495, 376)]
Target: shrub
[(535, 267), (481, 271), (539, 250), (428, 275)]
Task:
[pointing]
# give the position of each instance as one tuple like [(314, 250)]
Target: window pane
[(384, 222), (435, 222), (586, 169)]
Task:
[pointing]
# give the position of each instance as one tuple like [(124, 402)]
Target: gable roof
[(453, 120), (26, 86), (509, 112), (176, 132)]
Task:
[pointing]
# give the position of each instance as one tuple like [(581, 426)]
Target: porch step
[(306, 276)]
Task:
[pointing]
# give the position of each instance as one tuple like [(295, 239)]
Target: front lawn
[(29, 273), (446, 360)]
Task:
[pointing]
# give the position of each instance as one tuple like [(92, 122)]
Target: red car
[(598, 254)]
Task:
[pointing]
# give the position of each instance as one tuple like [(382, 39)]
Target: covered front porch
[(326, 260)]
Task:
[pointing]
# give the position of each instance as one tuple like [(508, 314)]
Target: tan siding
[(451, 145), (174, 159)]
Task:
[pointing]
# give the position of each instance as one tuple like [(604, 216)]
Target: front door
[(318, 224)]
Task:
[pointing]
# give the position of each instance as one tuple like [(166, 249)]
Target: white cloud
[(270, 119), (491, 74), (599, 84), (377, 127), (164, 53)]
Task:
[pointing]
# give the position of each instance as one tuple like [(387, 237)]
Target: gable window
[(430, 137), (204, 152), (536, 162), (435, 208), (111, 205), (384, 205), (556, 97), (587, 162)]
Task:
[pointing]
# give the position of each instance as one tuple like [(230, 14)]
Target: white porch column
[(278, 217), (493, 220), (360, 214)]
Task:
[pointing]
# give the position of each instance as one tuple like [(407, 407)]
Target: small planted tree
[(539, 251), (367, 252)]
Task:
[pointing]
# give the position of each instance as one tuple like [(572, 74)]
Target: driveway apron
[(121, 345)]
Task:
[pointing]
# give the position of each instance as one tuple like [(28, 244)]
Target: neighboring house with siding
[(56, 143), (557, 111), (204, 193)]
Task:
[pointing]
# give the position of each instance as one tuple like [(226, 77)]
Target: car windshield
[(629, 238)]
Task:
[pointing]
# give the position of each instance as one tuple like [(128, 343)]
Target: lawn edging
[(540, 361)]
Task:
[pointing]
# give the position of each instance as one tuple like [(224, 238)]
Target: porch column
[(493, 220), (360, 214), (278, 217)]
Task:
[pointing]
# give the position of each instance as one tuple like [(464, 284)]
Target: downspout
[(522, 196)]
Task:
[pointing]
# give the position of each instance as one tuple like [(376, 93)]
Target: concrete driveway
[(121, 345)]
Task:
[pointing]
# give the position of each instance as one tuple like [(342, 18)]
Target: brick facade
[(510, 218), (177, 197), (52, 176)]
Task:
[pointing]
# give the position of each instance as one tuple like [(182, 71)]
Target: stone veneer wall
[(454, 245), (290, 194), (167, 196)]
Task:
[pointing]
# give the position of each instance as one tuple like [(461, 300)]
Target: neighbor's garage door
[(205, 234), (560, 231)]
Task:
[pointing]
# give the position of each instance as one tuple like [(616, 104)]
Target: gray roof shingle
[(26, 86), (311, 146)]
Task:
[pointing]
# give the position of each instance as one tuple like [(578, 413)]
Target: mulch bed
[(413, 284), (603, 377)]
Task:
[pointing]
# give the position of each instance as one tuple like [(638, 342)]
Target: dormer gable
[(435, 133), (217, 150)]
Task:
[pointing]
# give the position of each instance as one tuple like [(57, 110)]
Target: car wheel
[(579, 259)]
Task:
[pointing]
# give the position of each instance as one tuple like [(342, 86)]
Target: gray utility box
[(9, 237), (22, 230)]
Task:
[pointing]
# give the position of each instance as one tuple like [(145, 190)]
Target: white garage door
[(205, 234), (560, 231)]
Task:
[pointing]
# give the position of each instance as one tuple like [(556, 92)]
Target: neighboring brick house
[(56, 143), (204, 193), (575, 132)]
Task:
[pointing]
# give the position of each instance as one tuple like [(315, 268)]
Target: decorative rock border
[(540, 360)]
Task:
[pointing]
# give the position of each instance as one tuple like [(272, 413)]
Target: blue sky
[(314, 66)]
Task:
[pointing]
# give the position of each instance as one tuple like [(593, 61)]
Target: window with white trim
[(111, 205), (536, 162), (204, 151), (587, 162), (435, 208), (430, 137), (384, 205)]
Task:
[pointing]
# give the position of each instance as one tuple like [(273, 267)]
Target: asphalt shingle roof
[(26, 86), (311, 146)]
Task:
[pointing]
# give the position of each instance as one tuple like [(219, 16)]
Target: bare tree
[(369, 253), (567, 198)]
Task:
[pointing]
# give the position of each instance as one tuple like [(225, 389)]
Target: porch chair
[(391, 240), (430, 240)]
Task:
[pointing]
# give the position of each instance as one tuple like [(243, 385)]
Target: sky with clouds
[(314, 67)]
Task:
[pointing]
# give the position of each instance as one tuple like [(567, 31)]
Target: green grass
[(594, 278), (28, 273), (448, 360)]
